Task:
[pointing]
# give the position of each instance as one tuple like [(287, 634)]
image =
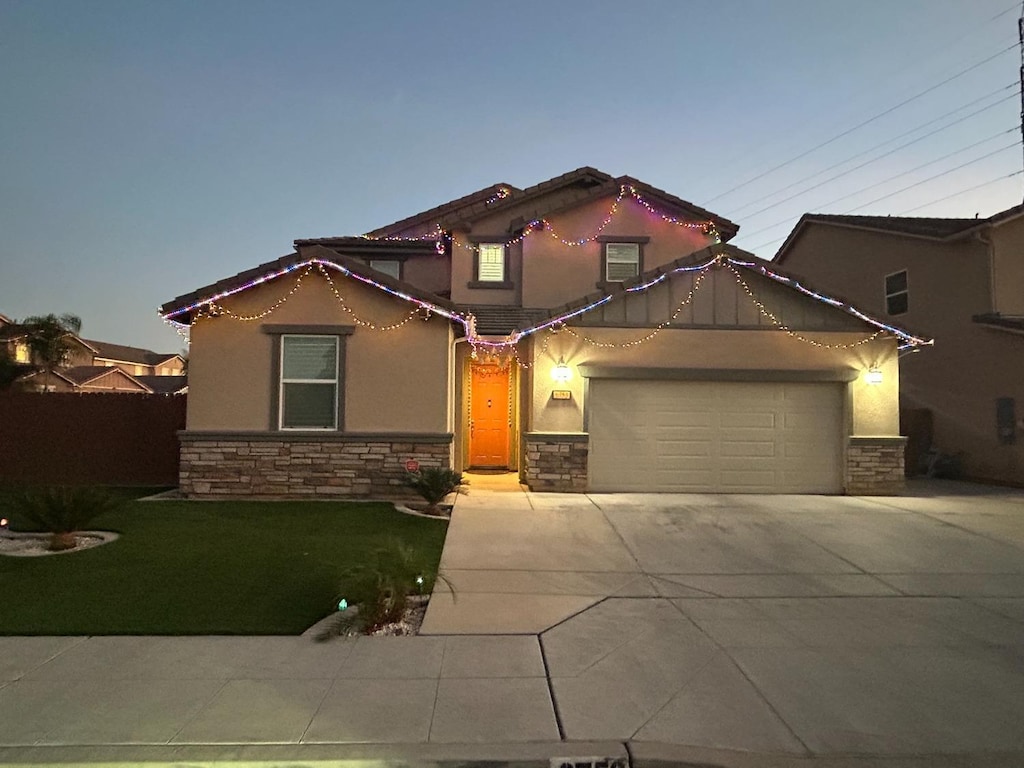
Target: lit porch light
[(561, 372), (873, 375)]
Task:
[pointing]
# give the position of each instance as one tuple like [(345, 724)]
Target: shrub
[(433, 484), (62, 510)]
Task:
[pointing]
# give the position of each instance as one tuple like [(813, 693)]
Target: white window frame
[(282, 381), (609, 260), (493, 248), (904, 292)]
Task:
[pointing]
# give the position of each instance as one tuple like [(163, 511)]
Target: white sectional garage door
[(715, 437)]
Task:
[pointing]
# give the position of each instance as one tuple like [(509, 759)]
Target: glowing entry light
[(3, 522), (873, 376), (343, 604), (561, 372)]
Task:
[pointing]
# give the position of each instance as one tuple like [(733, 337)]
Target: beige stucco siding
[(1008, 267), (395, 381), (545, 272), (873, 408), (970, 366)]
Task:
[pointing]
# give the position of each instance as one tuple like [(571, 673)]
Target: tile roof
[(290, 261), (905, 225), (494, 320), (1004, 322), (127, 354), (165, 385), (429, 217), (84, 374)]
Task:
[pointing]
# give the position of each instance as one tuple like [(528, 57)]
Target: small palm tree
[(433, 484), (62, 510), (49, 338)]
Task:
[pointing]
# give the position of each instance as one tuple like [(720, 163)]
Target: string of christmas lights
[(210, 307), (783, 327), (655, 331)]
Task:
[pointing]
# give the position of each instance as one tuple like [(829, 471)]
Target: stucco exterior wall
[(395, 381), (970, 366), (1008, 267)]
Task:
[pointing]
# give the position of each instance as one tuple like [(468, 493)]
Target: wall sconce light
[(561, 372), (873, 376)]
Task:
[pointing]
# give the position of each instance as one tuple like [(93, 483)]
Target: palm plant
[(62, 510), (49, 338), (434, 484)]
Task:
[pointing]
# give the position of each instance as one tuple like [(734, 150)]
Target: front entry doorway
[(490, 415)]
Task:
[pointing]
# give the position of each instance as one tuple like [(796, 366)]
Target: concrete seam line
[(551, 689), (437, 690), (679, 690), (319, 706), (199, 711)]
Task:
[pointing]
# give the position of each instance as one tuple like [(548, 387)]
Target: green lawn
[(184, 568)]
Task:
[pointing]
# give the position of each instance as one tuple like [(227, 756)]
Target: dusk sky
[(149, 148)]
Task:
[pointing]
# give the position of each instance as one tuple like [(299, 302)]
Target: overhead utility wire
[(733, 213), (863, 123), (755, 249), (962, 192), (891, 178), (938, 175), (941, 49), (883, 155)]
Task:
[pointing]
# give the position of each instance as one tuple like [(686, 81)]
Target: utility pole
[(1020, 38)]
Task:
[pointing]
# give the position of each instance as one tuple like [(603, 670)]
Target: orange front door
[(489, 416)]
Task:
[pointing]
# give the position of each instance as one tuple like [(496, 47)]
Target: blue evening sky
[(149, 148)]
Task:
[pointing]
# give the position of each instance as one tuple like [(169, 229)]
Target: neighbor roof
[(165, 385), (127, 354), (911, 226)]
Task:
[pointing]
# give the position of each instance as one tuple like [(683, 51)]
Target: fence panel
[(89, 439)]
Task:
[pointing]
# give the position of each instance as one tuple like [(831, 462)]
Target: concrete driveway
[(791, 625)]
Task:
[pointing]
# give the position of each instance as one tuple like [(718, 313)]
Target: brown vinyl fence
[(66, 438)]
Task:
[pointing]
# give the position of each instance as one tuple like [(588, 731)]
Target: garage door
[(718, 437)]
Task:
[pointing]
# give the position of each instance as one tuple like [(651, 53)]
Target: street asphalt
[(648, 629)]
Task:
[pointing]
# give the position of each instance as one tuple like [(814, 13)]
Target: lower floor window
[(309, 382)]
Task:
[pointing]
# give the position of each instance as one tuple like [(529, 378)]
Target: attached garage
[(716, 437)]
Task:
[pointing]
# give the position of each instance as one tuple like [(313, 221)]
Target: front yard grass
[(212, 567)]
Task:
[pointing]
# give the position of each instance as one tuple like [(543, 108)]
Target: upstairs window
[(896, 294), (390, 267), (21, 353), (490, 266), (621, 261), (309, 382)]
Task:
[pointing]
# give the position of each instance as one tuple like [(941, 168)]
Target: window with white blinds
[(490, 262), (622, 261), (309, 382)]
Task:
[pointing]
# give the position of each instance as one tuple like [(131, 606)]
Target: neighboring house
[(85, 378), (589, 332), (137, 361), (962, 282), (89, 363)]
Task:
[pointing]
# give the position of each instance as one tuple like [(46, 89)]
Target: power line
[(863, 123), (733, 213), (879, 157), (891, 178), (936, 176), (962, 192), (755, 249)]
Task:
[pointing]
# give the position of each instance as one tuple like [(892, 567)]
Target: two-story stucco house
[(962, 282), (589, 333)]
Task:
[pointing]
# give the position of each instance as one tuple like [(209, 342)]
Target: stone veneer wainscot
[(557, 461), (874, 466), (304, 464)]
